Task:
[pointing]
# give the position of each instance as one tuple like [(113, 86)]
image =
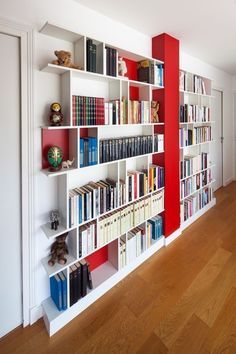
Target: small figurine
[(55, 156), (64, 59), (122, 68), (68, 163), (58, 250), (155, 105), (56, 117), (54, 218)]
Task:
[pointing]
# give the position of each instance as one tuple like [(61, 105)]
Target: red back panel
[(50, 138), (134, 93), (97, 258), (131, 68), (166, 48)]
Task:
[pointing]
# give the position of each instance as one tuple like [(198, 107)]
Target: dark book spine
[(79, 281), (90, 281), (71, 288), (107, 61), (89, 54), (94, 58), (84, 276)]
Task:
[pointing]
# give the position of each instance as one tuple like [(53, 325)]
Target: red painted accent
[(97, 258), (83, 132), (166, 48), (50, 138), (134, 93), (131, 69)]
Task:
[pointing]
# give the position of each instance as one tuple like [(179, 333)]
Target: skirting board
[(35, 314), (196, 216), (172, 237), (54, 321)]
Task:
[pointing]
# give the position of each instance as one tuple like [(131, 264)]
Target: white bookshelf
[(81, 82), (196, 98)]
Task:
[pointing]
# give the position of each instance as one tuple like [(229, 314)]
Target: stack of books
[(91, 200), (87, 110), (158, 142), (156, 177), (58, 290), (150, 72), (88, 151), (137, 182), (80, 280), (87, 238), (122, 148), (91, 55), (111, 61), (192, 164), (194, 114)]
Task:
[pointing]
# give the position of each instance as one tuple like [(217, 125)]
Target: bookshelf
[(110, 251), (196, 140)]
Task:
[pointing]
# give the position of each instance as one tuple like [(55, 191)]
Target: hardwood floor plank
[(153, 345)]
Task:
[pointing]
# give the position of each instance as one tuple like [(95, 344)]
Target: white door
[(217, 129), (10, 185)]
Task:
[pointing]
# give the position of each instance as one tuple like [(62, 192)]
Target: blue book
[(152, 222), (90, 150), (81, 152), (56, 291), (64, 290)]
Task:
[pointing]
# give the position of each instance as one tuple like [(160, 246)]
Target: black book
[(89, 54), (90, 281), (71, 286), (94, 58), (130, 188), (84, 277), (141, 184), (110, 61), (113, 113), (78, 266), (75, 285), (101, 151), (113, 73), (107, 61)]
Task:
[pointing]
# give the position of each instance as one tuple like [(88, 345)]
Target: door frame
[(222, 91), (25, 35)]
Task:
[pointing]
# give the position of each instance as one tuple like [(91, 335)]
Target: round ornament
[(56, 117), (55, 157)]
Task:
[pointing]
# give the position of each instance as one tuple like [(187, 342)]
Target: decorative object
[(68, 163), (59, 250), (64, 59), (122, 68), (56, 117), (54, 218), (55, 156), (155, 105)]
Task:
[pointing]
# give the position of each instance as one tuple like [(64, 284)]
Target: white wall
[(70, 14), (234, 111), (221, 81)]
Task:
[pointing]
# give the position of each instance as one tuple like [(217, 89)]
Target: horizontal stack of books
[(87, 110), (139, 112), (158, 142), (124, 219), (58, 290), (137, 182), (122, 148), (193, 136), (80, 280), (91, 55), (122, 251), (91, 200), (195, 203), (150, 72), (194, 113), (88, 151), (111, 61), (87, 238), (156, 177), (193, 164)]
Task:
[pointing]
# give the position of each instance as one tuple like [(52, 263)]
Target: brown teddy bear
[(155, 105), (64, 59), (58, 250)]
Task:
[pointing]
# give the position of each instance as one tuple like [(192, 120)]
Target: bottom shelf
[(104, 278), (197, 215)]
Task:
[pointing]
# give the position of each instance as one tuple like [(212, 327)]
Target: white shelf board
[(205, 142), (197, 94), (100, 126), (60, 172), (205, 169), (53, 233), (58, 32), (198, 190), (197, 215), (57, 267), (196, 123)]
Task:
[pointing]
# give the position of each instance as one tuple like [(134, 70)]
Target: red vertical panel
[(134, 93), (98, 258), (52, 137), (166, 48), (131, 68)]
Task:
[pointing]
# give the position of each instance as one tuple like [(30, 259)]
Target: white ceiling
[(206, 28)]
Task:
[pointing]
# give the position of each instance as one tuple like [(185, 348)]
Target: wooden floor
[(182, 300)]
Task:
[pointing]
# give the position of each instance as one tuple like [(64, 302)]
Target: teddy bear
[(155, 105), (64, 59), (58, 250)]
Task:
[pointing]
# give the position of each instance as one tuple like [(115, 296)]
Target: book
[(89, 50), (64, 290), (90, 281), (56, 290), (84, 277)]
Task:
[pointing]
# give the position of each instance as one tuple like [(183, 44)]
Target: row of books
[(80, 280), (194, 183), (137, 183), (156, 177), (111, 61), (91, 55), (91, 200), (121, 221), (193, 136), (122, 148), (193, 204), (150, 72), (87, 110), (191, 83), (88, 151), (190, 113), (58, 290), (192, 164), (158, 142), (139, 112), (87, 238)]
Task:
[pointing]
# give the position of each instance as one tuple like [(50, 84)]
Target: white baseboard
[(35, 314), (228, 181), (172, 237)]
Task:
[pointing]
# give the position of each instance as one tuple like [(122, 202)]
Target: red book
[(73, 110), (100, 117)]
